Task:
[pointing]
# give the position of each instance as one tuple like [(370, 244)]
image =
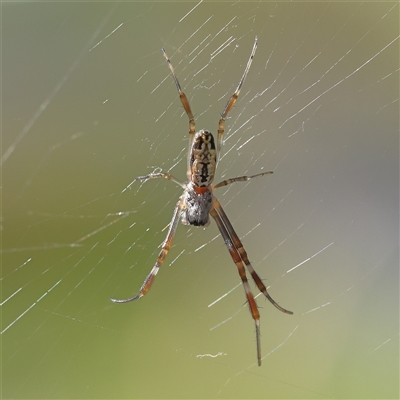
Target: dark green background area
[(88, 104)]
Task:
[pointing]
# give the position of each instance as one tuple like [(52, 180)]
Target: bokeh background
[(88, 103)]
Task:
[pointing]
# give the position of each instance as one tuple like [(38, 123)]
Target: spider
[(198, 202)]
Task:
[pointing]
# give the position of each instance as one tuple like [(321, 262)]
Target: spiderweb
[(89, 104)]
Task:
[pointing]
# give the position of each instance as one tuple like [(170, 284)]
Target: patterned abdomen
[(203, 159)]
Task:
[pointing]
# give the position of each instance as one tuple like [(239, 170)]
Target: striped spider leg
[(198, 202)]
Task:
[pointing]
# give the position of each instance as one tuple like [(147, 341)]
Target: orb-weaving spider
[(198, 201)]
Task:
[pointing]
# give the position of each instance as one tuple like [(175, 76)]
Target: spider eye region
[(203, 159)]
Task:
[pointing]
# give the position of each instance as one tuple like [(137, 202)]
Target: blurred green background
[(88, 104)]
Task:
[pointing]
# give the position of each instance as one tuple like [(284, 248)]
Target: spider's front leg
[(242, 272), (161, 256), (243, 255), (239, 257)]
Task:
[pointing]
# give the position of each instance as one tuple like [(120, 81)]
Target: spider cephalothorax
[(197, 202)]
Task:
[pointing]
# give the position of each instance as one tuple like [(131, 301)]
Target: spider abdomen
[(203, 159)]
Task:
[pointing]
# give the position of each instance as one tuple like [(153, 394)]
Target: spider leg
[(161, 256), (242, 272), (157, 175), (239, 179), (243, 255), (186, 106), (233, 98)]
